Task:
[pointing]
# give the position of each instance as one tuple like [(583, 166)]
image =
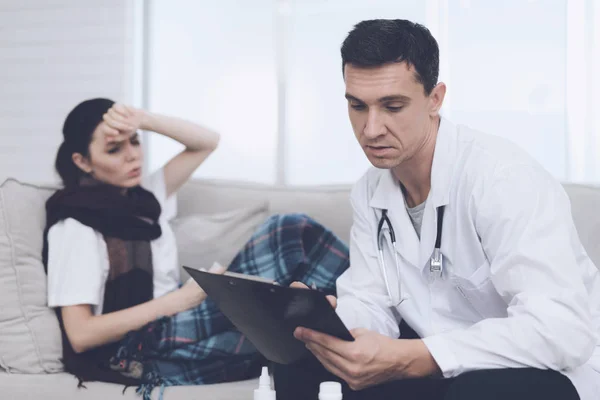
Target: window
[(214, 63), (320, 147), (267, 75), (509, 79)]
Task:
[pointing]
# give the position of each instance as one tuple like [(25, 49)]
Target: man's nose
[(374, 126)]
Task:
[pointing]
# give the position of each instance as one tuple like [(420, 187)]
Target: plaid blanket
[(201, 346)]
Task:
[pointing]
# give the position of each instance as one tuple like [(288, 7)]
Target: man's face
[(389, 111)]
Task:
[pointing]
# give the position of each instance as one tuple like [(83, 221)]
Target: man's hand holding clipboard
[(269, 314)]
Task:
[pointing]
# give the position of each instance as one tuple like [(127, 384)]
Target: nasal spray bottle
[(330, 391), (264, 391)]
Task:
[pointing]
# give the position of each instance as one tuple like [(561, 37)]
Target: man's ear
[(436, 99), (82, 163)]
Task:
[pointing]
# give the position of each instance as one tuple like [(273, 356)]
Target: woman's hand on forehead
[(121, 122)]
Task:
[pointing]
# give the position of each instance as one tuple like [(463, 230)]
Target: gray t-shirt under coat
[(416, 216)]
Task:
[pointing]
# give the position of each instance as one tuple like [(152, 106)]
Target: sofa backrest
[(330, 205), (585, 207)]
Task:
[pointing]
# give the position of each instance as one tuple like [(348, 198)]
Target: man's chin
[(382, 163)]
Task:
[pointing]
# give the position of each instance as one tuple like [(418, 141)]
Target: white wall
[(54, 54)]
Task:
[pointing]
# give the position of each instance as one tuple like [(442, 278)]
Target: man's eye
[(394, 109), (358, 107)]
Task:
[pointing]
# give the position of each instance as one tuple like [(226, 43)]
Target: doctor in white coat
[(462, 236)]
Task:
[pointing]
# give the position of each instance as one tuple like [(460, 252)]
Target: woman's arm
[(87, 331), (199, 142)]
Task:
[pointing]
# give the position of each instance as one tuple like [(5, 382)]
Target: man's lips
[(379, 151)]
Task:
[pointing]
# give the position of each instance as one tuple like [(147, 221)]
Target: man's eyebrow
[(352, 98), (385, 99), (397, 97)]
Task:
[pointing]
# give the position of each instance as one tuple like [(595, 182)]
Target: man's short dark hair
[(377, 42)]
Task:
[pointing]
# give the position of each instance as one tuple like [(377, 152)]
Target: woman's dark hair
[(377, 42), (78, 129)]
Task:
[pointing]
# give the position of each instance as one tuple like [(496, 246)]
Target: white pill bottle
[(264, 391), (330, 391)]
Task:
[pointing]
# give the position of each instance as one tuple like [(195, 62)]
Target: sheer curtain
[(267, 75)]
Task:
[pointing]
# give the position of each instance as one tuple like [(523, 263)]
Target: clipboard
[(268, 313)]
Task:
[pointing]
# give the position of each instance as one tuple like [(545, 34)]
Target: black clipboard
[(268, 314)]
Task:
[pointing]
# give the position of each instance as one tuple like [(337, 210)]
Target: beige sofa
[(221, 216)]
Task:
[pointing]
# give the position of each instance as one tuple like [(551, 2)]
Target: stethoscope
[(436, 263)]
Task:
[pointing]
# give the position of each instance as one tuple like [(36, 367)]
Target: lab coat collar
[(388, 195)]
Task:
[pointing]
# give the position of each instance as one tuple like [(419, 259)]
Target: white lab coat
[(517, 288)]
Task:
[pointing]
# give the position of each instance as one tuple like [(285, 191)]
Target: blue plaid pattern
[(201, 346)]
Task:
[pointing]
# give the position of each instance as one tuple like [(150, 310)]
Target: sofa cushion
[(30, 339), (64, 387), (205, 238)]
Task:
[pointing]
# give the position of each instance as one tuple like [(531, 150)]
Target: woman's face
[(116, 160)]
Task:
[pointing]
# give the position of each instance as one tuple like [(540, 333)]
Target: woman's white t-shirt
[(78, 257)]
